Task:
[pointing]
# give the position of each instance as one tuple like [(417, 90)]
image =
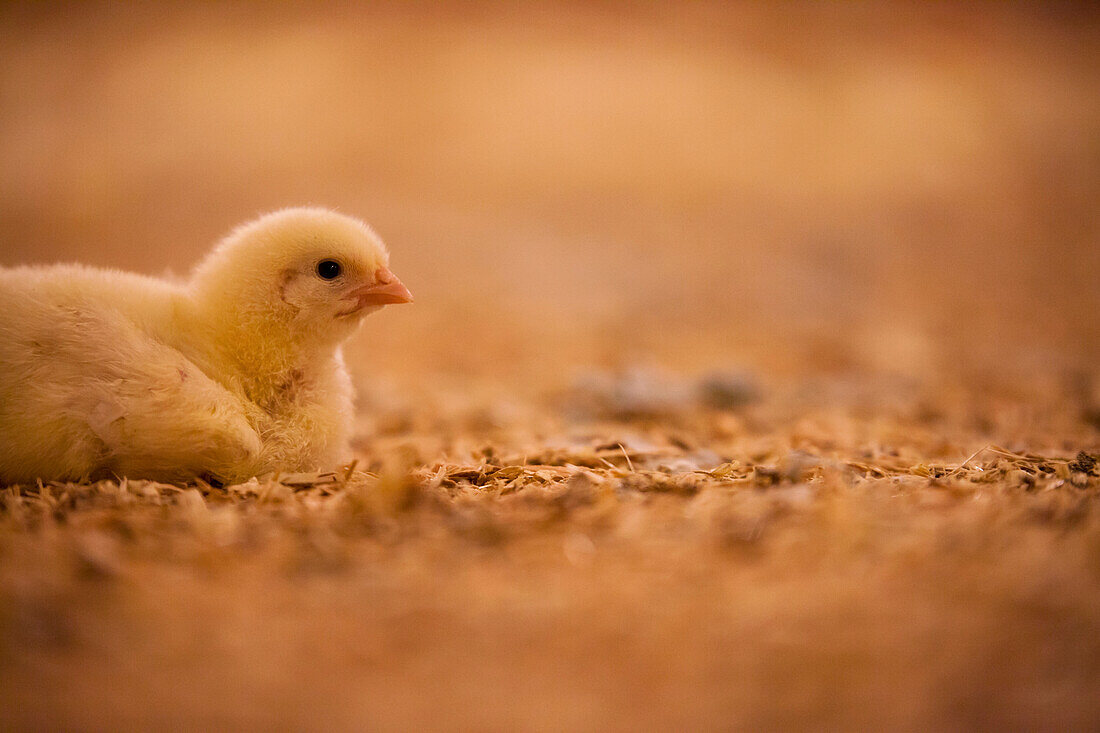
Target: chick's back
[(91, 385)]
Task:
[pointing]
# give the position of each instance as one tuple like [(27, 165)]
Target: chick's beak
[(385, 290)]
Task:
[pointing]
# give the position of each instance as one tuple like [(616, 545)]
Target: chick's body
[(232, 374)]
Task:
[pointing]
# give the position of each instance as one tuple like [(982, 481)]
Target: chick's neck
[(257, 354)]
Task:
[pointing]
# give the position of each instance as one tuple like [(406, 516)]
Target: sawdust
[(639, 572)]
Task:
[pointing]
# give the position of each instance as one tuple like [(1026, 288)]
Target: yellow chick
[(231, 374)]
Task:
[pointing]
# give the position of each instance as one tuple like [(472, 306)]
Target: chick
[(230, 374)]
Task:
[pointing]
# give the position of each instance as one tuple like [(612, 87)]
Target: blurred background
[(876, 223), (896, 186)]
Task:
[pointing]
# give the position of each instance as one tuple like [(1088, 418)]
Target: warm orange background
[(877, 223), (897, 186)]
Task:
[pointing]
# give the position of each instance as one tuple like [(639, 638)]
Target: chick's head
[(307, 273)]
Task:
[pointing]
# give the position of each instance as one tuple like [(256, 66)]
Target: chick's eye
[(329, 269)]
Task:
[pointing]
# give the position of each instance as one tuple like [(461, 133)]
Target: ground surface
[(842, 557), (751, 381)]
